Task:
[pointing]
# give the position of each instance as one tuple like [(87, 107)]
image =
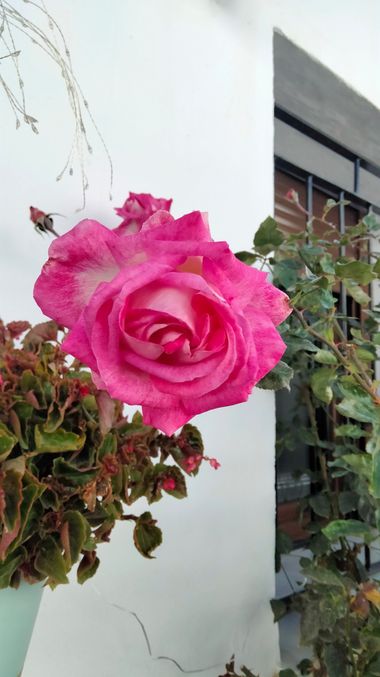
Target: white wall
[(182, 90)]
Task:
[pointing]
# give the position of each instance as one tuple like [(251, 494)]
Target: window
[(326, 146)]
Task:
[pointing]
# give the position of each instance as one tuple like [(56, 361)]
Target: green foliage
[(70, 462), (279, 377), (332, 358)]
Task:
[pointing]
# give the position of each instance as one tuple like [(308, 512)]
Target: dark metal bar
[(324, 186), (356, 175), (367, 557), (309, 131), (309, 196), (342, 252)]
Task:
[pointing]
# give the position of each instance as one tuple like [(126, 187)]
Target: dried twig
[(53, 44)]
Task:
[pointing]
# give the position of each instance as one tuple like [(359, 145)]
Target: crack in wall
[(147, 641)]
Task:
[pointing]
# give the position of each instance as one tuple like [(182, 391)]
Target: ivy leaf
[(286, 272), (371, 221), (321, 384), (57, 442), (7, 441), (147, 537), (375, 450), (320, 504), (360, 407), (268, 237), (345, 528), (325, 357), (323, 576), (358, 271), (348, 501), (279, 609), (246, 257), (336, 659), (357, 293), (279, 377), (360, 464), (49, 562), (295, 344), (350, 430), (357, 403)]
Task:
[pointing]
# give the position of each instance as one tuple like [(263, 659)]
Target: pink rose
[(166, 318), (137, 208)]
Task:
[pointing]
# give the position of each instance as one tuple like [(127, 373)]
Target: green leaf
[(8, 568), (320, 504), (365, 355), (323, 576), (88, 567), (279, 609), (11, 485), (50, 563), (375, 480), (147, 537), (286, 273), (337, 661), (325, 357), (358, 271), (371, 221), (279, 377), (348, 501), (361, 464), (107, 446), (357, 293), (321, 384), (345, 528), (295, 344), (358, 404), (74, 533), (317, 299), (287, 673), (55, 417), (319, 544), (246, 257), (268, 237), (7, 441), (70, 474), (350, 430), (57, 442)]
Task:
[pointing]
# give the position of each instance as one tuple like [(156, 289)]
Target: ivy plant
[(330, 360)]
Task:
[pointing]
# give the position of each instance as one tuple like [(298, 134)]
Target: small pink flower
[(214, 463), (137, 208), (169, 484), (191, 462)]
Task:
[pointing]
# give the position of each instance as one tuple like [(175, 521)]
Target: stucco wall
[(182, 91)]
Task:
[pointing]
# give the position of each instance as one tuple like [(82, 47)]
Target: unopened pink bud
[(214, 463)]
